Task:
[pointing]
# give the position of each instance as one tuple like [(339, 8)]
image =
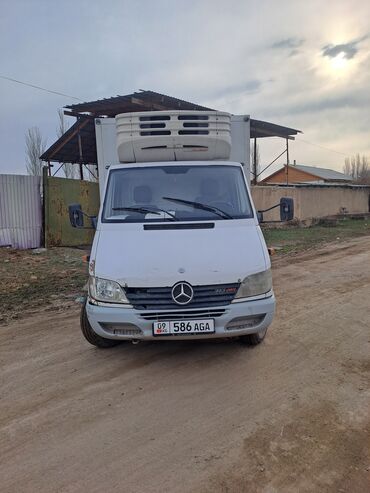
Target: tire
[(90, 335), (253, 339)]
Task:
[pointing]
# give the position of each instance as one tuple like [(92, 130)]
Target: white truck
[(178, 252)]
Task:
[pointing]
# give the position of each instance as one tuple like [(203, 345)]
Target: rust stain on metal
[(59, 193)]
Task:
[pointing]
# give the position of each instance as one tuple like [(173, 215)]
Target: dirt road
[(291, 415)]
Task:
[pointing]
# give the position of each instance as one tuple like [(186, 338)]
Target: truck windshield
[(176, 193)]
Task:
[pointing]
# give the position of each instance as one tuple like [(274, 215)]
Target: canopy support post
[(287, 161), (254, 180), (81, 156)]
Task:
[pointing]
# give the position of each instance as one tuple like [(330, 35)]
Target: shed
[(78, 144)]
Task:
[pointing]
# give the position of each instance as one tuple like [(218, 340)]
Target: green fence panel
[(59, 193)]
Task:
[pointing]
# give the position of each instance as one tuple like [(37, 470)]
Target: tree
[(358, 167), (70, 170), (35, 147)]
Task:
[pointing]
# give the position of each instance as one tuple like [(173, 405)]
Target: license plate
[(183, 327)]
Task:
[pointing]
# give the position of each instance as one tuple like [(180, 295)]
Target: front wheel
[(90, 335), (254, 339)]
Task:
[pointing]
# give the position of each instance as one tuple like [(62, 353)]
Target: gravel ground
[(291, 415)]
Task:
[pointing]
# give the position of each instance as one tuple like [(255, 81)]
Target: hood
[(136, 257)]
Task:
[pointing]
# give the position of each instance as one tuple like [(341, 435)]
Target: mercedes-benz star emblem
[(182, 293)]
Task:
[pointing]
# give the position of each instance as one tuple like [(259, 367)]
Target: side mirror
[(260, 216), (76, 216), (286, 209)]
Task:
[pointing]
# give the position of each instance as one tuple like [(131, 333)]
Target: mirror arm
[(91, 219), (286, 205), (270, 208), (86, 215)]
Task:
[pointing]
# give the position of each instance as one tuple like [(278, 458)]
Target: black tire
[(253, 339), (90, 335)]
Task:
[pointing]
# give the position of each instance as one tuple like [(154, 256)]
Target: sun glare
[(340, 62), (337, 68)]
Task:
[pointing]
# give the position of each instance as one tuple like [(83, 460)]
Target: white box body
[(229, 139)]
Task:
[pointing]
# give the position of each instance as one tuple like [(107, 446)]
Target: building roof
[(315, 184), (67, 148), (321, 173), (324, 173)]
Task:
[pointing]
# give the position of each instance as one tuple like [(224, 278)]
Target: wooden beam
[(80, 155), (255, 162), (148, 104), (78, 115), (287, 161), (64, 142)]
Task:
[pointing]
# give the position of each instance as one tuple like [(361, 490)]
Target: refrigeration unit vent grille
[(173, 136)]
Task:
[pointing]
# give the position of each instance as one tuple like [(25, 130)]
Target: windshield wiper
[(144, 210), (198, 205)]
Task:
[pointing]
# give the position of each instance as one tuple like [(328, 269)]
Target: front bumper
[(235, 319)]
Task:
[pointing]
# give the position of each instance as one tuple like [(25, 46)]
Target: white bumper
[(235, 319)]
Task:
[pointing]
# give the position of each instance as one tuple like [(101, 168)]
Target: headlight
[(105, 290), (255, 284)]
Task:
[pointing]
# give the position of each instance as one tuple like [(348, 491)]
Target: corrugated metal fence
[(20, 211)]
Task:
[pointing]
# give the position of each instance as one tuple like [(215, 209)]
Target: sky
[(301, 64)]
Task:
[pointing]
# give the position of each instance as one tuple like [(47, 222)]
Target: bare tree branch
[(70, 170), (358, 167), (35, 146)]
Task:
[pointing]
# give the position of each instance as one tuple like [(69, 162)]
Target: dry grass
[(292, 239), (34, 279)]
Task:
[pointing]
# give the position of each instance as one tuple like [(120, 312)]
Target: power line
[(39, 87), (79, 99), (322, 147)]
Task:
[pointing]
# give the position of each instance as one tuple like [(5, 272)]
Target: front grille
[(161, 298), (183, 315)]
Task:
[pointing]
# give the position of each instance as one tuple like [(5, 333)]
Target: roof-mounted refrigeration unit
[(173, 136)]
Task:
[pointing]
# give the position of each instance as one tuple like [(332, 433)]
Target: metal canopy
[(261, 129), (78, 144), (67, 148), (138, 101)]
